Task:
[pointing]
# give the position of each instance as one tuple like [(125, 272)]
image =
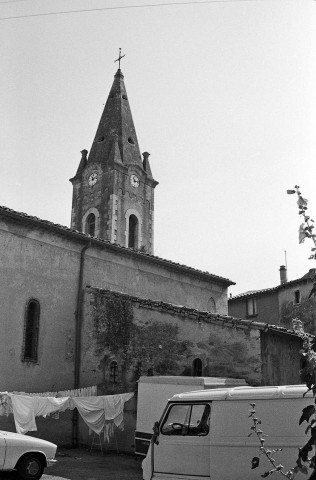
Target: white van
[(205, 434), (155, 391)]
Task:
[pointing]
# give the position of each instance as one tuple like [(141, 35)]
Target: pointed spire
[(116, 123)]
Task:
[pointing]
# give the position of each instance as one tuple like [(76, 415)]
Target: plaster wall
[(33, 268), (44, 265), (267, 308), (146, 279), (224, 351), (286, 294), (280, 359)]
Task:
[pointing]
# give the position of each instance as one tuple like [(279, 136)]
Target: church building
[(92, 305)]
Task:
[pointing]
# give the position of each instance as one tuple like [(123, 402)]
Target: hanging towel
[(45, 405), (95, 411), (23, 411)]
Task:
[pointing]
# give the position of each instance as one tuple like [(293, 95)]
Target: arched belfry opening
[(133, 231), (90, 225)]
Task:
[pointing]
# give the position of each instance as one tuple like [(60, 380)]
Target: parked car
[(27, 455)]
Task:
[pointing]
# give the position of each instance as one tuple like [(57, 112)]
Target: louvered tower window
[(90, 230), (132, 231)]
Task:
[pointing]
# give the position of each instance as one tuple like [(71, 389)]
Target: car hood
[(15, 438)]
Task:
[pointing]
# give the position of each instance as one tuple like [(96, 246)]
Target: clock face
[(92, 180), (134, 181)]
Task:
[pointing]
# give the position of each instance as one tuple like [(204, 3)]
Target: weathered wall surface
[(162, 342), (43, 264), (267, 308), (280, 359), (32, 267), (286, 294), (139, 276)]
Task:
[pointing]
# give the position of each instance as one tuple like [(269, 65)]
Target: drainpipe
[(78, 323)]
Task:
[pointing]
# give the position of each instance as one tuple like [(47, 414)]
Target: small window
[(187, 419), (297, 297), (251, 307), (197, 367), (90, 230), (130, 140), (114, 372), (31, 327)]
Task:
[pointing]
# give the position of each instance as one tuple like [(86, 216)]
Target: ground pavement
[(79, 464)]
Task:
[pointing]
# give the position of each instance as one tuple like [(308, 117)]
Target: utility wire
[(13, 1), (123, 7)]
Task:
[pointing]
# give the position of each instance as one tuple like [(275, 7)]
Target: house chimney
[(283, 274)]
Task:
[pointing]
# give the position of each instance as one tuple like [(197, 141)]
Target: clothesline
[(79, 392), (95, 411)]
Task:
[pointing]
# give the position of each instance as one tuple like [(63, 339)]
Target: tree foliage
[(305, 312)]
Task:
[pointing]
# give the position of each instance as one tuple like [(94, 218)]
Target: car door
[(2, 450), (183, 442)]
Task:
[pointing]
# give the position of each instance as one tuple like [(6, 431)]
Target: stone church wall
[(42, 261), (160, 341), (142, 337)]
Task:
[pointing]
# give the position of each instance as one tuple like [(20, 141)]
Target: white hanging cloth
[(95, 411)]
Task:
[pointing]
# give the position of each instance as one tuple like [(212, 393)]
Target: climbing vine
[(157, 348), (113, 325), (146, 349)]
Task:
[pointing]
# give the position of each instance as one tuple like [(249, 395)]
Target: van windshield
[(187, 419)]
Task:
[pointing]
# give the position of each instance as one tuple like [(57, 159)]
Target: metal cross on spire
[(119, 59)]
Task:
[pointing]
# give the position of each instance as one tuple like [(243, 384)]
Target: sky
[(223, 97)]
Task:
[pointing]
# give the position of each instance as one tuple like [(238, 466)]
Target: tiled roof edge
[(99, 241), (254, 293), (224, 320)]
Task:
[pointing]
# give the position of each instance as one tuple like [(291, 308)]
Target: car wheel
[(31, 467)]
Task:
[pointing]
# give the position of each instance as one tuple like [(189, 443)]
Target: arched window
[(90, 228), (114, 372), (133, 231), (31, 327), (211, 305), (197, 367)]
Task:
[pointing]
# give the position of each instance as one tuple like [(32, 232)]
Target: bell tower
[(113, 189)]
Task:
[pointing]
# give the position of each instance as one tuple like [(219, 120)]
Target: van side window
[(187, 419)]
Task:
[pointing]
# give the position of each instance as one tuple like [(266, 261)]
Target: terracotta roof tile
[(310, 275), (224, 320)]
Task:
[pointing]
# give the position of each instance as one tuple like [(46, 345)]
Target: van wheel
[(31, 467)]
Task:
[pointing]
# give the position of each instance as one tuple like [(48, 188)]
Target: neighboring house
[(278, 305)]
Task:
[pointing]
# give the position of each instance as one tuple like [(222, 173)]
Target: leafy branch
[(256, 429), (306, 228)]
